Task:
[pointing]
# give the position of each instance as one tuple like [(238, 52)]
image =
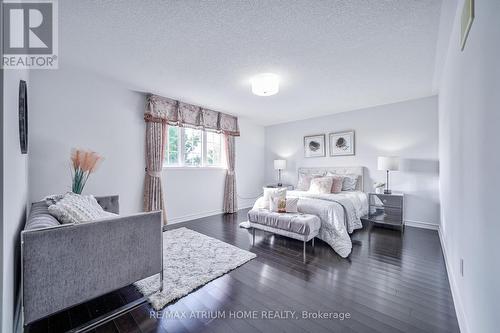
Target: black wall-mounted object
[(23, 117)]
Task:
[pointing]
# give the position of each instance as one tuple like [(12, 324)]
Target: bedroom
[(397, 95)]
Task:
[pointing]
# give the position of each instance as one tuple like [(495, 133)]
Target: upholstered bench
[(303, 227)]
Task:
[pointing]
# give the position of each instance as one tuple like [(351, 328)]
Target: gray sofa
[(67, 264)]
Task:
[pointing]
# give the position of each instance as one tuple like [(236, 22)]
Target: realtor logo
[(30, 34)]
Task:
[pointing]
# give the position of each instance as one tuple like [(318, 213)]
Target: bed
[(340, 213)]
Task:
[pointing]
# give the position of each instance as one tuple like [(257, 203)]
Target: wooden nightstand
[(386, 210), (287, 186)]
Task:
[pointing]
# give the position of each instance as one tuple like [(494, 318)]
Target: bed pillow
[(272, 193), (321, 185), (338, 181), (283, 205), (349, 183), (76, 208), (305, 181)]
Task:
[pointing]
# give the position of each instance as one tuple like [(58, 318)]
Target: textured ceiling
[(332, 56)]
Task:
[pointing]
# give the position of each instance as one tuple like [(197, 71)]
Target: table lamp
[(388, 163), (279, 165)]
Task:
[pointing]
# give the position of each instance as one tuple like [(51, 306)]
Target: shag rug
[(190, 260)]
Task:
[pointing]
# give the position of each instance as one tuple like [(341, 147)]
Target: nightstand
[(386, 210), (287, 186)]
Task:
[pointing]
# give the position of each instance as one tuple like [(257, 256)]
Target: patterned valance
[(172, 112)]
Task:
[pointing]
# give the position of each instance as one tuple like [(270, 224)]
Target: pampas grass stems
[(83, 164)]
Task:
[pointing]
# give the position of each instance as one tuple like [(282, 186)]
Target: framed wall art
[(314, 145), (342, 143)]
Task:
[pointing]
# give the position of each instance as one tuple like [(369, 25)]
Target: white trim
[(194, 216), (423, 225), (459, 309)]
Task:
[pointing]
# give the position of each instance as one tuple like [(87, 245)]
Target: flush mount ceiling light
[(266, 84)]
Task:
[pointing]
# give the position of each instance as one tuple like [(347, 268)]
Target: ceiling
[(332, 56)]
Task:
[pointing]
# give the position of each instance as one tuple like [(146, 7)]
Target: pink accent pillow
[(337, 184)]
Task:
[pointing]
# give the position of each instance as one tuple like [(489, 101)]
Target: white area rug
[(190, 260), (245, 225)]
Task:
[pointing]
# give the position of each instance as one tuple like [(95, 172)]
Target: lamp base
[(387, 192)]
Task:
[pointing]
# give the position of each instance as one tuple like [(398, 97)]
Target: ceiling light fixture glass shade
[(266, 84)]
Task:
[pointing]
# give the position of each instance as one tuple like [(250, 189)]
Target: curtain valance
[(172, 112)]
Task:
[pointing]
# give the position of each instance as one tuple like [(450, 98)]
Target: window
[(214, 149), (188, 147), (172, 155), (192, 147)]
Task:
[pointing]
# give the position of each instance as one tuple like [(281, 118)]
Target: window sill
[(193, 168)]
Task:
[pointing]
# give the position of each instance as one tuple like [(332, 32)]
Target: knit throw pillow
[(76, 208)]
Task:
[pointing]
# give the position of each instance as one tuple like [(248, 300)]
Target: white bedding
[(339, 214)]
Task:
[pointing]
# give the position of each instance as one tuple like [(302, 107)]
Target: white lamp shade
[(279, 164), (388, 163), (265, 84)]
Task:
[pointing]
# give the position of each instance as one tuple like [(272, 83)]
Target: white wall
[(77, 108), (72, 108), (14, 196), (193, 193), (407, 129), (469, 117)]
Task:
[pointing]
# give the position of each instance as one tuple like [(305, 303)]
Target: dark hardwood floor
[(390, 283)]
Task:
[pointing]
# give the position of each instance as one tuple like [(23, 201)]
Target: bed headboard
[(354, 170)]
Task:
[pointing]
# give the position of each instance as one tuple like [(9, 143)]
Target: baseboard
[(457, 301), (200, 215), (420, 224), (194, 216)]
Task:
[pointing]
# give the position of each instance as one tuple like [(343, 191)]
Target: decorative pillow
[(277, 204), (338, 181), (292, 205), (349, 183), (321, 185), (283, 205), (76, 208), (305, 181), (271, 193)]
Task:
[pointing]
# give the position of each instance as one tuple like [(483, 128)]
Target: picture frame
[(466, 21), (342, 143), (314, 145)]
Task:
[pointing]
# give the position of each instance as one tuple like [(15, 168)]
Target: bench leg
[(304, 252), (253, 237)]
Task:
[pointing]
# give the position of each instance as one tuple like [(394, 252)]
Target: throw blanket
[(339, 214)]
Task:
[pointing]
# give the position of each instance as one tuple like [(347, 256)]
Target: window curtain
[(162, 111), (230, 197), (176, 113), (156, 140)]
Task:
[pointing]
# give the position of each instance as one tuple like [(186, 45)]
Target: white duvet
[(340, 215)]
